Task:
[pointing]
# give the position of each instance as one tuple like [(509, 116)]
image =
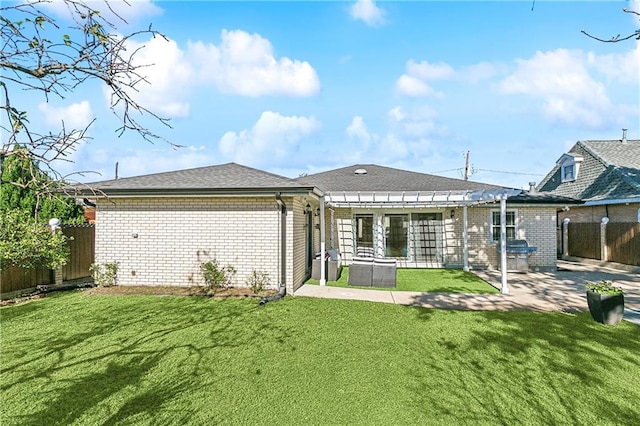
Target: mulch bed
[(224, 293)]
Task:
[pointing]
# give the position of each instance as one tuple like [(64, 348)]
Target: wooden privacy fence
[(82, 239), (82, 249), (584, 240), (14, 279), (622, 241)]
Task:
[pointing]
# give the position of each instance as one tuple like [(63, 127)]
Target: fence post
[(58, 276), (603, 239), (565, 237)]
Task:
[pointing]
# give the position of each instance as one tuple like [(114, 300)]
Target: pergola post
[(323, 260), (465, 234), (504, 288)]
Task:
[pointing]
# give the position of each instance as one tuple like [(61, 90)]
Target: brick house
[(161, 227), (605, 176), (420, 219)]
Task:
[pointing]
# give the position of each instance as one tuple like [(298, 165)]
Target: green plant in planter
[(606, 302)]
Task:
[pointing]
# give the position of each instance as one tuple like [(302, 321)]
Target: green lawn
[(426, 280), (72, 359)]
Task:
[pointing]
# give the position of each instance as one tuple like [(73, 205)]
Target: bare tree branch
[(40, 54), (618, 38)]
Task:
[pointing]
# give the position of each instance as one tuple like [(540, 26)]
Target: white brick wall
[(537, 225), (176, 234)]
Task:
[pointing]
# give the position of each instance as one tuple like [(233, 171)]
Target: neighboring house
[(605, 176), (161, 227)]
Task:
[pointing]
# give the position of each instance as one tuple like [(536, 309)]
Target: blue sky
[(293, 87)]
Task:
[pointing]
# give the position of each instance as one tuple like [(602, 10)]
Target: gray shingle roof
[(610, 171), (380, 179), (225, 177)]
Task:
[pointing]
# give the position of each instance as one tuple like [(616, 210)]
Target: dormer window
[(569, 173), (569, 166)]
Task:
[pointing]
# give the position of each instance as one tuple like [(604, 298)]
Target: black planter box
[(606, 308)]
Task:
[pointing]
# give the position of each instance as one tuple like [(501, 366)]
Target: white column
[(565, 237), (465, 233), (379, 235), (604, 256), (323, 261), (504, 288), (331, 237)]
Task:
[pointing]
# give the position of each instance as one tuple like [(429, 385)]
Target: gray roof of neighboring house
[(387, 179), (542, 198), (610, 171), (229, 178)]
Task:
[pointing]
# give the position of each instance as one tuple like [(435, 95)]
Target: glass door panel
[(395, 231)]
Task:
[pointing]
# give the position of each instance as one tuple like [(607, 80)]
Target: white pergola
[(418, 199)]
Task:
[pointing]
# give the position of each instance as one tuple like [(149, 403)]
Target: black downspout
[(282, 291)]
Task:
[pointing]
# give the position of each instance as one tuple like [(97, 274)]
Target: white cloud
[(75, 116), (368, 12), (414, 87), (271, 141), (168, 76), (245, 64), (414, 82), (567, 92), (623, 67), (426, 71), (409, 135), (358, 130)]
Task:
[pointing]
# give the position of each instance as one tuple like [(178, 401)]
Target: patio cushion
[(361, 271), (384, 272)]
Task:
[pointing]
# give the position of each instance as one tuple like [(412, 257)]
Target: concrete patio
[(559, 291)]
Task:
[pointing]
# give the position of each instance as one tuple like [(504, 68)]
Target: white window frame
[(569, 161), (492, 225)]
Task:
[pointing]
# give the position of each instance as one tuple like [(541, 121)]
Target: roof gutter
[(616, 201), (195, 192), (282, 291)]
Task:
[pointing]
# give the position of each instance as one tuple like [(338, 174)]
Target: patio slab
[(558, 291)]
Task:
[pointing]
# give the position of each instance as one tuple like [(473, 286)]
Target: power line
[(510, 173), (450, 170)]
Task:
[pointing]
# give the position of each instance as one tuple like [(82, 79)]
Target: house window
[(569, 166), (364, 230), (568, 173), (510, 225)]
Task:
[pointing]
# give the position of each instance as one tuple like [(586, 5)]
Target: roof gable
[(610, 170), (225, 177), (386, 179)]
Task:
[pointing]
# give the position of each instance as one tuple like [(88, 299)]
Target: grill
[(518, 252)]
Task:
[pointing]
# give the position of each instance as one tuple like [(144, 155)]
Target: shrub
[(216, 277), (26, 243), (258, 281), (603, 287), (105, 276)]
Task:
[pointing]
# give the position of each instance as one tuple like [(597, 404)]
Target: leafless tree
[(617, 38), (40, 53)]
